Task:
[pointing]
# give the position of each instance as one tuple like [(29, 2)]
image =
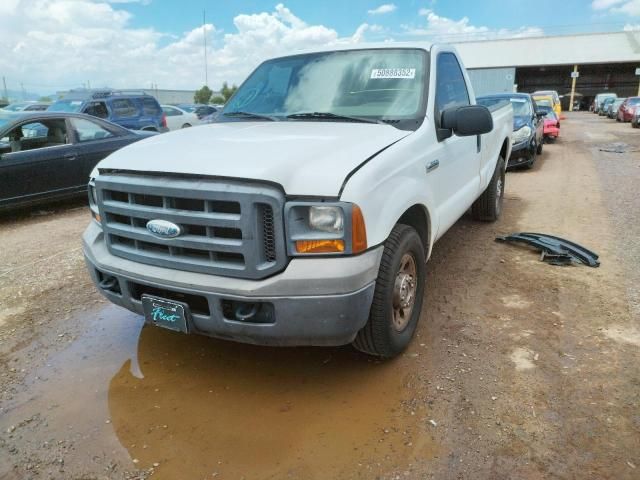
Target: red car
[(551, 129), (627, 109)]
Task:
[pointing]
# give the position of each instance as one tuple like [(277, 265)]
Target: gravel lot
[(519, 369)]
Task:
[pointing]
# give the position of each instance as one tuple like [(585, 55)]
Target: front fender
[(387, 186)]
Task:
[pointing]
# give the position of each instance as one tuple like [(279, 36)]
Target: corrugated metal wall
[(492, 80)]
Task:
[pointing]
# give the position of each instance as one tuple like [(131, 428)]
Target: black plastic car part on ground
[(50, 155), (555, 250)]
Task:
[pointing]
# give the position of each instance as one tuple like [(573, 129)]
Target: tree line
[(205, 94)]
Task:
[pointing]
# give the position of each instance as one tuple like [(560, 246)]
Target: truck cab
[(306, 214)]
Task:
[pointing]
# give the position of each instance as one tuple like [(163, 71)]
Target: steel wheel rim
[(404, 292)]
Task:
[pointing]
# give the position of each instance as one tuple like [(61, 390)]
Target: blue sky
[(51, 45), (567, 16)]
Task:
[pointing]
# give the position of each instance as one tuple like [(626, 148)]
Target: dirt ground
[(519, 370)]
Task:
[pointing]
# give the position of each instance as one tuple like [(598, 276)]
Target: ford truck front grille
[(227, 228)]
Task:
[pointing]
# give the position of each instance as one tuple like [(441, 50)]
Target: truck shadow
[(37, 212)]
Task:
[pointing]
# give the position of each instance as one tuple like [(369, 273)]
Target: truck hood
[(306, 158)]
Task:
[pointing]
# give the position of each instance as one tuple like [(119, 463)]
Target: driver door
[(453, 165), (41, 162)]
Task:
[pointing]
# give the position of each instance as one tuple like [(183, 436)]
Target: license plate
[(165, 313)]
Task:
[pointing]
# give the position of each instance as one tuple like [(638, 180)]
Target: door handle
[(433, 165), (70, 156)]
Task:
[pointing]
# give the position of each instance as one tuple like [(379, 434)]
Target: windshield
[(380, 84), (5, 118), (15, 107), (66, 106), (634, 101), (604, 96), (548, 112), (521, 107)]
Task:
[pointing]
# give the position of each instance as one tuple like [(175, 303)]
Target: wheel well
[(149, 129), (418, 218), (503, 150)]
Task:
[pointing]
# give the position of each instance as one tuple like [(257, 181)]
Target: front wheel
[(397, 299), (488, 206), (531, 160)]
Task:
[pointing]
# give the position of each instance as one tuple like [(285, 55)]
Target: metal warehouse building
[(605, 62)]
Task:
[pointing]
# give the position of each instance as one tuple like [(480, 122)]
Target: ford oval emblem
[(164, 229)]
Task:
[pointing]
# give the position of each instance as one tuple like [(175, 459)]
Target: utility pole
[(574, 77), (204, 35), (6, 92)]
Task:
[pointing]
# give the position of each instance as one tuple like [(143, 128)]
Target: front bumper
[(625, 116), (551, 131), (314, 301), (521, 153)]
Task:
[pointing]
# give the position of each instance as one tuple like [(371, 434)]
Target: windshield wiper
[(331, 116), (239, 113)]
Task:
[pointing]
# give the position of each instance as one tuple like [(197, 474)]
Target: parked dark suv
[(134, 110)]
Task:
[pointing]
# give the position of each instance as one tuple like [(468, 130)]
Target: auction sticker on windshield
[(393, 73)]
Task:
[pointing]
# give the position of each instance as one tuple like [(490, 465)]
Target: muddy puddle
[(194, 407)]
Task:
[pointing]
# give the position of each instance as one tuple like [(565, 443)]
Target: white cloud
[(604, 4), (382, 9), (59, 44), (143, 2), (445, 29), (626, 7)]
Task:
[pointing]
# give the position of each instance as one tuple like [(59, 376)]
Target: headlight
[(521, 134), (326, 219), (326, 228)]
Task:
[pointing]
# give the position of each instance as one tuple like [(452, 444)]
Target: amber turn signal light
[(358, 231), (320, 246)]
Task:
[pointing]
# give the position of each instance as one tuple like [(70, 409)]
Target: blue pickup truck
[(134, 110)]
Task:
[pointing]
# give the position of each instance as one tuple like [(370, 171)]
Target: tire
[(387, 333), (539, 148), (634, 124), (488, 206), (532, 159), (186, 125)]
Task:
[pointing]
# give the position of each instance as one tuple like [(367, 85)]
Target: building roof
[(588, 48), (553, 50)]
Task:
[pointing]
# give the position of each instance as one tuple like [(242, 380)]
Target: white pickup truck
[(306, 215)]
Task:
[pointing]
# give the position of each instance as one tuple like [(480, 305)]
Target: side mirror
[(465, 121), (540, 114)]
